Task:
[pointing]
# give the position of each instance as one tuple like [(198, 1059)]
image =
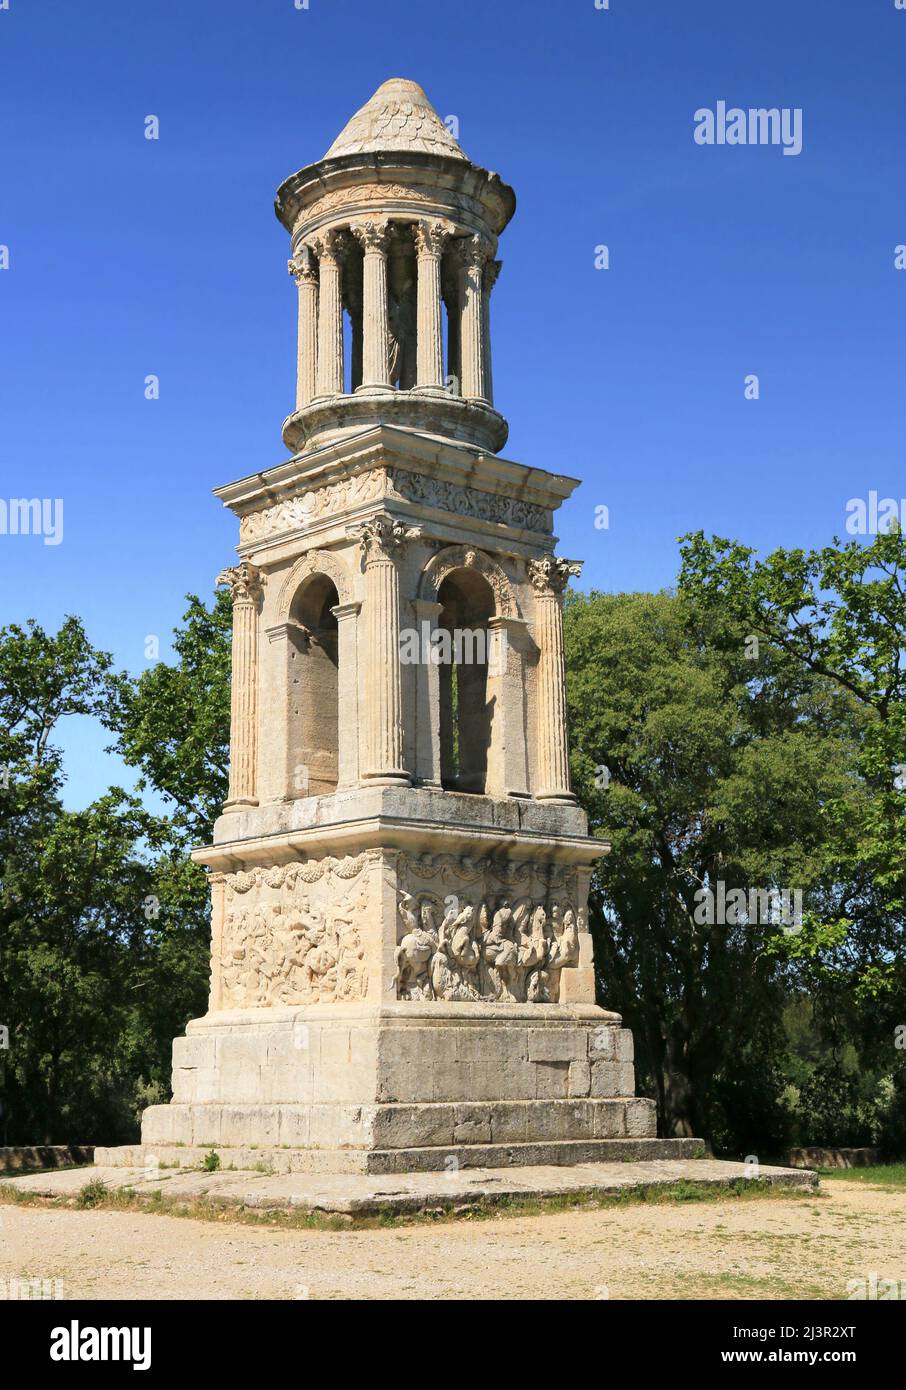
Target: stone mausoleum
[(401, 967)]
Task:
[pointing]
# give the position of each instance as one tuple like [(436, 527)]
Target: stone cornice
[(448, 183), (383, 446)]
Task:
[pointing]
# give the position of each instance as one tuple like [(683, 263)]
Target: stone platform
[(369, 1195)]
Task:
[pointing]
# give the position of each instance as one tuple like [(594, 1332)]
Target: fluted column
[(330, 314), (303, 269), (245, 582), (489, 280), (381, 539), (473, 253), (374, 237), (430, 239), (550, 576), (347, 616)]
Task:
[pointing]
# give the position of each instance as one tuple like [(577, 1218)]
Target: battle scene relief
[(485, 930), (295, 934)]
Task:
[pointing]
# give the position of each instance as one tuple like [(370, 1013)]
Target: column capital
[(432, 235), (245, 581), (491, 271), (332, 244), (474, 251), (381, 537), (550, 574), (303, 267), (372, 234)]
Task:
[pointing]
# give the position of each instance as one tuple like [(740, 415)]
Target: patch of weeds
[(92, 1194)]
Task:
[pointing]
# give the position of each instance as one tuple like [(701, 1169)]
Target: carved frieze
[(485, 930), (295, 513), (469, 501), (294, 933)]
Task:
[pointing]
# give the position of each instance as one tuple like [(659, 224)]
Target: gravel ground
[(805, 1247)]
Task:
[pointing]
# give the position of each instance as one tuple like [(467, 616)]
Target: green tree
[(701, 771), (103, 917), (838, 613)]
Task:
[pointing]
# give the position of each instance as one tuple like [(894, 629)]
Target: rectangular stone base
[(399, 1087)]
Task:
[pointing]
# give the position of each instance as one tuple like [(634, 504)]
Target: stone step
[(385, 1125), (557, 1153)]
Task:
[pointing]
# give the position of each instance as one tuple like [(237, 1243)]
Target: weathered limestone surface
[(288, 1188), (402, 973)]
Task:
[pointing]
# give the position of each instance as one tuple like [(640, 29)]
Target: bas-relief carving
[(294, 934), (297, 512), (301, 511), (470, 501), (478, 942), (387, 193)]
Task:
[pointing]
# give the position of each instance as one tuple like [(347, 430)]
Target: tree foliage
[(103, 918)]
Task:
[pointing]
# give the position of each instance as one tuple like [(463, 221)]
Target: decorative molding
[(295, 513), (377, 193), (458, 557), (469, 501), (314, 562)]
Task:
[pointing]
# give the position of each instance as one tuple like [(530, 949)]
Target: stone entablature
[(300, 511), (443, 482)]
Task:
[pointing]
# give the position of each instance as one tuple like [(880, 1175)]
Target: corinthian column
[(374, 238), (330, 314), (305, 273), (489, 280), (245, 582), (430, 239), (381, 539), (550, 576), (474, 253)]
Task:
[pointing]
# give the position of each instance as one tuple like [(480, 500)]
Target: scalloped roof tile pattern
[(399, 117)]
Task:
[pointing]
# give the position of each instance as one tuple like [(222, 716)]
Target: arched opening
[(313, 734), (466, 711)]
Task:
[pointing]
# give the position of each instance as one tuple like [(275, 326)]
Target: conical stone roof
[(398, 118)]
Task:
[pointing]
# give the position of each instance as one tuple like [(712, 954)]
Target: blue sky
[(129, 257)]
